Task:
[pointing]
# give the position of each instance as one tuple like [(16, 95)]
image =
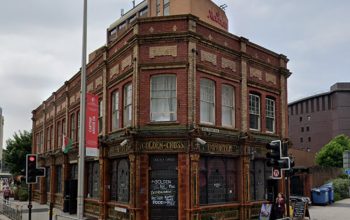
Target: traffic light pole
[(30, 203), (287, 193)]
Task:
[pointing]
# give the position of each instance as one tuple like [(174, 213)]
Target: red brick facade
[(191, 50)]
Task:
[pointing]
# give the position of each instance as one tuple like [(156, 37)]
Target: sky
[(41, 41)]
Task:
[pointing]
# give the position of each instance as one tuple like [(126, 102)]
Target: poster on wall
[(265, 211), (91, 125)]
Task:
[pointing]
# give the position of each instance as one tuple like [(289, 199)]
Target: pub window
[(100, 114), (254, 112), (127, 105), (163, 98), (47, 179), (48, 139), (74, 171), (270, 115), (93, 180), (157, 7), (218, 180), (207, 101), (259, 174), (58, 179), (115, 110), (120, 180), (228, 108), (72, 127), (78, 126), (59, 134), (166, 7)]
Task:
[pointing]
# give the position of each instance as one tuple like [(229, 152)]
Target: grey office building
[(315, 120)]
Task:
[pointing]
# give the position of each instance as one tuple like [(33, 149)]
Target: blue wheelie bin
[(330, 192), (320, 196)]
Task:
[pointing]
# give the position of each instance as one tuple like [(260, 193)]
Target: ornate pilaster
[(132, 169)]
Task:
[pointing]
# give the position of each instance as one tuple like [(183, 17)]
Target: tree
[(17, 149), (331, 155)]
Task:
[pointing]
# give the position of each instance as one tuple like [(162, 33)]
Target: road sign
[(276, 173)]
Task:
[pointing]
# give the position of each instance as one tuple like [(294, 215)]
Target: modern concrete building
[(185, 111), (315, 120)]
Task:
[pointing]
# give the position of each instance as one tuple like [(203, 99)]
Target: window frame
[(172, 115), (127, 106), (232, 107), (166, 7), (115, 111), (206, 159), (114, 181), (268, 114), (93, 177), (100, 115), (205, 84), (255, 113), (58, 178)]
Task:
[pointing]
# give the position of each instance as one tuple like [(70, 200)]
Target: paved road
[(337, 211)]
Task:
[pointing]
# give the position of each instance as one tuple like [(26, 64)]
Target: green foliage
[(23, 193), (16, 150), (341, 188), (331, 155), (337, 197)]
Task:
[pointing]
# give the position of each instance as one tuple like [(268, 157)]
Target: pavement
[(339, 210), (39, 211)]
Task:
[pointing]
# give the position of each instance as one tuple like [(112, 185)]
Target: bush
[(23, 194), (341, 188)]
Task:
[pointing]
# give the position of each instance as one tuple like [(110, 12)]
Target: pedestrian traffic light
[(32, 172)]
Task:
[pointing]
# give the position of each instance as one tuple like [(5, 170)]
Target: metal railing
[(11, 210)]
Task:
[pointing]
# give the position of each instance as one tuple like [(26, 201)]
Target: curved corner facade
[(186, 110)]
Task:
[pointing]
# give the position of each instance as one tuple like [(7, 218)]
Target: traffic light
[(291, 170), (274, 156), (32, 172)]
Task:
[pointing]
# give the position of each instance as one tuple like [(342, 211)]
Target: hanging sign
[(91, 125)]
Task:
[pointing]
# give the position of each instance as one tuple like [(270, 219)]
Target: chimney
[(133, 4), (121, 12)]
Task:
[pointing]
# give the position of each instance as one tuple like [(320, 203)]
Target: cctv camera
[(123, 143), (200, 141)]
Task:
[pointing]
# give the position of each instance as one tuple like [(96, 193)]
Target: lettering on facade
[(226, 63), (271, 78), (218, 18), (126, 62), (209, 57), (162, 146), (113, 151), (220, 148), (214, 130), (114, 71), (163, 51), (254, 72)]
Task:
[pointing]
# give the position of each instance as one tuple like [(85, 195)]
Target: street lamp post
[(81, 163)]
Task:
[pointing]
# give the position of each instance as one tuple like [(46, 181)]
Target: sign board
[(91, 125), (265, 211), (276, 173), (300, 210)]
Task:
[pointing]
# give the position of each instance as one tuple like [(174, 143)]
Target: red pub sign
[(91, 125)]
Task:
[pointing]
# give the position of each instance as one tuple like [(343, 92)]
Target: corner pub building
[(185, 111)]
